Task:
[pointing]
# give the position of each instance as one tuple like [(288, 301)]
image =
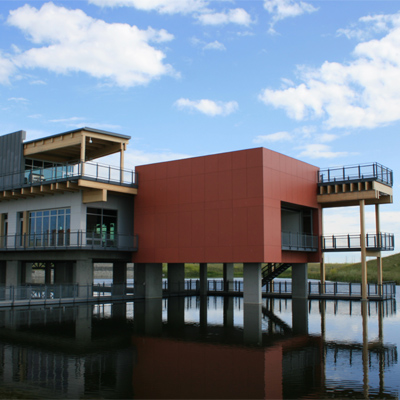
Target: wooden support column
[(83, 155), (379, 245), (364, 279), (121, 162), (322, 264)]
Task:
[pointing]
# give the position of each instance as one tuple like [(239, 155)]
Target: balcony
[(69, 172), (295, 241), (356, 173), (69, 240), (347, 186), (373, 242)]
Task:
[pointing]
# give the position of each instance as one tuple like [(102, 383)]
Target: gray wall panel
[(11, 159)]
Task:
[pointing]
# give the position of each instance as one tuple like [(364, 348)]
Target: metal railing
[(361, 172), (296, 241), (382, 241), (64, 240), (38, 293), (80, 170)]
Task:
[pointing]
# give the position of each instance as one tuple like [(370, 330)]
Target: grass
[(334, 272)]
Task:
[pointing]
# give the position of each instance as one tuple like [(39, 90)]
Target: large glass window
[(101, 226), (38, 171), (49, 227)]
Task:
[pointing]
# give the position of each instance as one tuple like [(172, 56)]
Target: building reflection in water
[(179, 347)]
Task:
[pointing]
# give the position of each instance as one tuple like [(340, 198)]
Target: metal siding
[(12, 157)]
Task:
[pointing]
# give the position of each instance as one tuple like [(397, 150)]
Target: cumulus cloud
[(71, 41), (214, 46), (7, 68), (362, 93), (237, 16), (198, 8), (319, 150), (370, 26), (281, 9), (274, 137), (208, 107), (161, 6)]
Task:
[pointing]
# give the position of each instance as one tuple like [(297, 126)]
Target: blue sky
[(315, 80)]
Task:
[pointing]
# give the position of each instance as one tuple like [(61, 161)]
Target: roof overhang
[(69, 146)]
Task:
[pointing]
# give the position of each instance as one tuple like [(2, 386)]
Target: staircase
[(271, 270)]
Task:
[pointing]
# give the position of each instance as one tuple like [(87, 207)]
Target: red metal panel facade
[(221, 208)]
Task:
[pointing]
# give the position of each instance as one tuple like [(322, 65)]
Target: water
[(202, 348)]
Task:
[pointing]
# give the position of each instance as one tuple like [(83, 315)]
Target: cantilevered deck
[(346, 186)]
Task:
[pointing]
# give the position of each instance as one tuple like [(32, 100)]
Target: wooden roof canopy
[(82, 144)]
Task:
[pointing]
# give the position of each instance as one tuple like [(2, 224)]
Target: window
[(101, 226), (49, 227)]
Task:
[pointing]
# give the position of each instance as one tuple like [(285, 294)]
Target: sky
[(315, 80)]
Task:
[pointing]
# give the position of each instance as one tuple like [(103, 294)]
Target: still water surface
[(202, 348)]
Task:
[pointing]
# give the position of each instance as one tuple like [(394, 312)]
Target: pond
[(202, 347)]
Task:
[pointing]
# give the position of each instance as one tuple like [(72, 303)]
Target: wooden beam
[(82, 183), (94, 195), (48, 145), (348, 196)]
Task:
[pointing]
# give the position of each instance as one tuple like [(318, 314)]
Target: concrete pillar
[(148, 316), (47, 273), (63, 272), (252, 283), (83, 323), (83, 276), (252, 334), (300, 281), (228, 312), (148, 281), (27, 272), (176, 278), (176, 314), (228, 276), (203, 279), (119, 278), (118, 310), (13, 273), (3, 269), (203, 313), (300, 316), (364, 278)]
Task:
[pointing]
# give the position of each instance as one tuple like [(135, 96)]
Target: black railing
[(64, 240), (357, 173), (295, 241), (65, 172), (381, 242)]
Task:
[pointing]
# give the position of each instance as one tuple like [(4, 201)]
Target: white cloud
[(281, 9), (369, 26), (139, 157), (236, 16), (161, 6), (318, 150), (7, 68), (327, 137), (74, 42), (274, 137), (214, 46), (208, 107), (362, 93), (198, 8), (18, 99)]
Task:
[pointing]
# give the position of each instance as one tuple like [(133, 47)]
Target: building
[(60, 209)]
